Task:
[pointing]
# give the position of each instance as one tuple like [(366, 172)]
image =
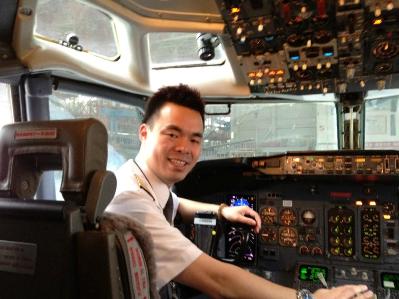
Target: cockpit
[(301, 117)]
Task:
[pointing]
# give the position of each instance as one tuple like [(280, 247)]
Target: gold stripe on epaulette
[(138, 180), (141, 186)]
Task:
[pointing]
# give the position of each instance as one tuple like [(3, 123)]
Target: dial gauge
[(268, 235), (288, 236), (287, 217), (308, 217), (268, 215)]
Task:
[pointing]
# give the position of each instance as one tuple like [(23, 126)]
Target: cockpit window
[(270, 128), (176, 49), (81, 27), (382, 122), (121, 120), (5, 105)]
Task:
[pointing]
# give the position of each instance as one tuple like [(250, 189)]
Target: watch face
[(308, 295), (304, 294)]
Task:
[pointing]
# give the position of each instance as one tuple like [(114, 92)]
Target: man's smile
[(178, 163)]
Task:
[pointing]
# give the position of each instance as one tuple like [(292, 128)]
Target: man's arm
[(222, 280), (187, 209)]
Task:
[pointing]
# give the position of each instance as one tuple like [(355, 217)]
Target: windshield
[(270, 128), (382, 123), (249, 129)]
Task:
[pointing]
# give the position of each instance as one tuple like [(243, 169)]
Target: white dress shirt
[(173, 252)]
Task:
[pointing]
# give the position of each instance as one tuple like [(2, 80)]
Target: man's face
[(172, 142)]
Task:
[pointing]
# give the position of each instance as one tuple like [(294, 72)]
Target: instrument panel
[(333, 213), (351, 240)]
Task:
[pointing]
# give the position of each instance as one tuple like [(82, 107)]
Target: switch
[(365, 276), (353, 271)]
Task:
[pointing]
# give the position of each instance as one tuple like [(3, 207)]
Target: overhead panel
[(314, 46)]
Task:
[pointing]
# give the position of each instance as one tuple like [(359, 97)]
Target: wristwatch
[(304, 294)]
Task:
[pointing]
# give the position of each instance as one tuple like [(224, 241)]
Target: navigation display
[(240, 239)]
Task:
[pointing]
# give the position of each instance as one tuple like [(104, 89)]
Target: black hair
[(182, 95)]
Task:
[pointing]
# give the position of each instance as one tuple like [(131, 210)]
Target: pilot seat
[(70, 248)]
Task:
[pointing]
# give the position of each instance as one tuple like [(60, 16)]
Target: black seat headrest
[(77, 147)]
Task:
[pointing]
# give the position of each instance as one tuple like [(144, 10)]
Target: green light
[(309, 272)]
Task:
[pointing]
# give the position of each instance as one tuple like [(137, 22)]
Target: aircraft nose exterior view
[(185, 149)]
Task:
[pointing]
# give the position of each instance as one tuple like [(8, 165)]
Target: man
[(171, 138)]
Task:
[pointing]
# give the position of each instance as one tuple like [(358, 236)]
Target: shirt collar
[(160, 189)]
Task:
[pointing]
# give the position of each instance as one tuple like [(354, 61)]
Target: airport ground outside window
[(382, 122), (270, 128), (122, 121)]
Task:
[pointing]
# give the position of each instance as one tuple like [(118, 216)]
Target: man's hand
[(346, 291), (242, 214)]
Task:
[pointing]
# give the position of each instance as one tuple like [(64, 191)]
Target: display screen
[(242, 200), (241, 240), (390, 280), (311, 272)]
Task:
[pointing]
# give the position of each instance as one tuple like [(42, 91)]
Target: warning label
[(36, 134), (17, 257)]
